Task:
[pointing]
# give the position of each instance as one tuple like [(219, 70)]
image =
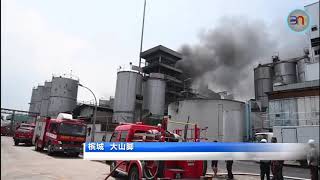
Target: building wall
[(313, 11), (224, 119), (294, 111), (259, 121), (99, 134), (102, 116)]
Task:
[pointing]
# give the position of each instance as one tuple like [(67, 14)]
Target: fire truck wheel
[(112, 166), (50, 151), (134, 173), (16, 142)]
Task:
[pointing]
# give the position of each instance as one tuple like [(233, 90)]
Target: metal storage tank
[(38, 99), (127, 107), (301, 70), (285, 72), (45, 99), (155, 96), (33, 100), (263, 83), (63, 95), (224, 118), (145, 97)]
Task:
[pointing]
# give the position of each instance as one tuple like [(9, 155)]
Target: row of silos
[(135, 95), (58, 95), (277, 73)]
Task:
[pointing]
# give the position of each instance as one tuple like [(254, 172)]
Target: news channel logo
[(298, 20)]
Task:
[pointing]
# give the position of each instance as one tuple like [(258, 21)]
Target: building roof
[(308, 88), (160, 49), (99, 108), (296, 86)]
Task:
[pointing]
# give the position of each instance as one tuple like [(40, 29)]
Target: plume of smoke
[(225, 56)]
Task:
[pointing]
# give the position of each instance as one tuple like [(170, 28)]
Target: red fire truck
[(136, 170), (63, 134), (24, 134)]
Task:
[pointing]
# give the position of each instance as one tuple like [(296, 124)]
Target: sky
[(91, 39)]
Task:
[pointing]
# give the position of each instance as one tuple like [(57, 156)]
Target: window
[(123, 136), (317, 52), (114, 137), (315, 42), (314, 28), (53, 128)]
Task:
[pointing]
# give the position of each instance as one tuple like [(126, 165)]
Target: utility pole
[(144, 13), (94, 113), (12, 122)]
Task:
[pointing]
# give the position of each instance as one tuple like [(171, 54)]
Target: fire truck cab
[(63, 134), (152, 169)]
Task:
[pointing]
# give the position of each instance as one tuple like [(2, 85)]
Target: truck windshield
[(259, 137), (72, 129)]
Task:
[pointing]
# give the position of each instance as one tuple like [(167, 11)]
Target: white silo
[(63, 95), (127, 102)]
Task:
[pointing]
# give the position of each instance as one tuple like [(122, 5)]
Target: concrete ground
[(23, 162)]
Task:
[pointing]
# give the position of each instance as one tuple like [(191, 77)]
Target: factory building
[(313, 32), (287, 91), (294, 104), (162, 83), (104, 125), (146, 93)]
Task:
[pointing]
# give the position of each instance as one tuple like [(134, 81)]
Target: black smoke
[(225, 56)]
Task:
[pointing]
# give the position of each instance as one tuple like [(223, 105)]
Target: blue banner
[(184, 147)]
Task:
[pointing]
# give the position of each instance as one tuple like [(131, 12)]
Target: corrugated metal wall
[(294, 111)]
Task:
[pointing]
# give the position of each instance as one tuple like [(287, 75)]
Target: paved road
[(22, 163), (253, 167)]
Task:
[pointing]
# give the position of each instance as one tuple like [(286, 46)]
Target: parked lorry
[(24, 134), (63, 134), (153, 169)]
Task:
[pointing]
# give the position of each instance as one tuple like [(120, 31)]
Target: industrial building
[(146, 94), (104, 125), (158, 89), (313, 32), (287, 91)]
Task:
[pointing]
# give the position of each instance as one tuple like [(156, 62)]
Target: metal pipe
[(144, 12), (94, 113)]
